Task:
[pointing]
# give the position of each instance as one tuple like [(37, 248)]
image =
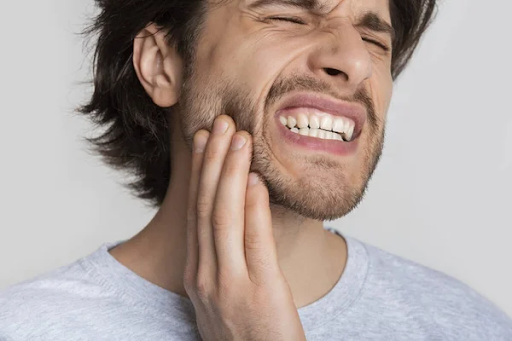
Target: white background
[(441, 196)]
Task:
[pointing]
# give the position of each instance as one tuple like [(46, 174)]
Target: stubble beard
[(331, 194)]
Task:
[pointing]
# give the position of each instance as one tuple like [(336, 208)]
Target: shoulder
[(450, 304), (31, 307)]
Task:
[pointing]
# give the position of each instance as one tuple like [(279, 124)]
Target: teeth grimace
[(320, 126)]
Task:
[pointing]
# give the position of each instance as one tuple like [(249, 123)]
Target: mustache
[(296, 82)]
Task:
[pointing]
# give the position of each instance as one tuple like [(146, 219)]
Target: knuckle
[(203, 207), (202, 288), (228, 294), (224, 298), (221, 219), (231, 169), (225, 282), (253, 242), (266, 265), (212, 154)]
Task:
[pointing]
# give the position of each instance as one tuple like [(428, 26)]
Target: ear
[(158, 66)]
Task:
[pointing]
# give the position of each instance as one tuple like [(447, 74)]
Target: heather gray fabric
[(378, 297)]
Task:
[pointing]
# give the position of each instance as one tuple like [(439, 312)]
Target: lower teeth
[(320, 133)]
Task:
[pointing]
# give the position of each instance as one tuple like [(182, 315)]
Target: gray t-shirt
[(378, 297)]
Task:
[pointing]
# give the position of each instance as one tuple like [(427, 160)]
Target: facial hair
[(332, 193)]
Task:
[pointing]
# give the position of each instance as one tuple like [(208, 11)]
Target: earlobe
[(158, 66)]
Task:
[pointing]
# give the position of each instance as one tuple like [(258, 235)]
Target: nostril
[(332, 72)]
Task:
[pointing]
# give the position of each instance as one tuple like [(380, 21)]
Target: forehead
[(324, 7)]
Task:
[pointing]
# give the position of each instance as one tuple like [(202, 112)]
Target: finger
[(213, 159), (200, 140), (260, 247), (228, 212)]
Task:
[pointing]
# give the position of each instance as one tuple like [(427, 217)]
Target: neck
[(311, 258)]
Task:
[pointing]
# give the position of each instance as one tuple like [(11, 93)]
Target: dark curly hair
[(137, 134)]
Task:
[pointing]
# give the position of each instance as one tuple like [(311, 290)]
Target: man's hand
[(232, 275)]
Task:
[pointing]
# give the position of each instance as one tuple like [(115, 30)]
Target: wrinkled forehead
[(324, 7)]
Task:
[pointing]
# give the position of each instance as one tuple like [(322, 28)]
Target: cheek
[(386, 98), (254, 59), (381, 89)]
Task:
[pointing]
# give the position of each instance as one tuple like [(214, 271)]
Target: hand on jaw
[(232, 274)]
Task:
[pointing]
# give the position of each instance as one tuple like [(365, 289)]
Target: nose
[(341, 58)]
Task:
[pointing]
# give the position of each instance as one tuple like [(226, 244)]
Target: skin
[(243, 68), (231, 273)]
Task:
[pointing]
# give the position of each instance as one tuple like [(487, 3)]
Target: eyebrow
[(374, 22), (369, 20), (309, 5)]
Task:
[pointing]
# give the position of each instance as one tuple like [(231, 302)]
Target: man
[(248, 123)]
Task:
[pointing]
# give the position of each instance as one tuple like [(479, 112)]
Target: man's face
[(319, 69)]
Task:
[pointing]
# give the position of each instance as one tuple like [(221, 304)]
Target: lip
[(355, 112)]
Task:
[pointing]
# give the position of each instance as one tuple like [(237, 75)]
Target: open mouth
[(314, 123), (322, 118)]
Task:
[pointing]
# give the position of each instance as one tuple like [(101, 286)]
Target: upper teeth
[(342, 125)]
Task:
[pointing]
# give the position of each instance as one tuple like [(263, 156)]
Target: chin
[(317, 186), (318, 200), (320, 190)]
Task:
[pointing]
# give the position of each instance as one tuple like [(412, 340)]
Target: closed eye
[(299, 21), (382, 46), (294, 20)]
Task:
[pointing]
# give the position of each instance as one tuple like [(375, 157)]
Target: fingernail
[(200, 143), (253, 179), (220, 126), (237, 142)]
